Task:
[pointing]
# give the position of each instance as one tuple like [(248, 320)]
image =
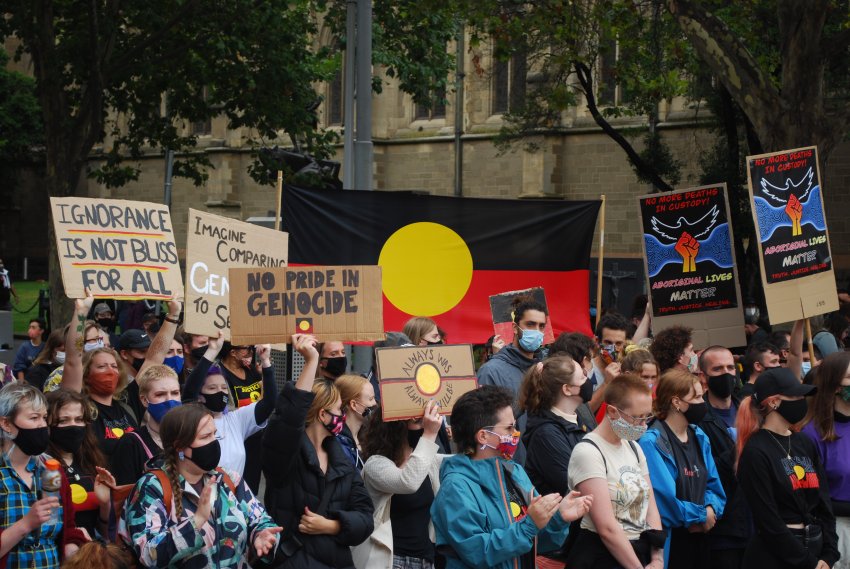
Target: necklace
[(788, 452)]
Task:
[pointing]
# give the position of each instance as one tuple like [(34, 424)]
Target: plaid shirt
[(37, 550)]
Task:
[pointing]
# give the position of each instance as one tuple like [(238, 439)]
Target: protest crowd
[(619, 450), (130, 439)]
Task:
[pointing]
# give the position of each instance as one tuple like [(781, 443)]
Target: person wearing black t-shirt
[(781, 475), (687, 487)]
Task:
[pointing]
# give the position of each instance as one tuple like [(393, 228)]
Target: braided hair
[(178, 430)]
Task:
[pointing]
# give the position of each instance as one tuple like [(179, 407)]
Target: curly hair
[(384, 438), (573, 344), (476, 410), (97, 555), (668, 346)]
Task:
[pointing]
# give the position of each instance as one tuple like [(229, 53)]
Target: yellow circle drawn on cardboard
[(427, 379)]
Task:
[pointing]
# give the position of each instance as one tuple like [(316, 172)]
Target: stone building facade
[(414, 149)]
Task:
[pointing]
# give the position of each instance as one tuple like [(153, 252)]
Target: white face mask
[(59, 358), (94, 345), (807, 367)]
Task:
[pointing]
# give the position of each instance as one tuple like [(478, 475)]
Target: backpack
[(119, 501)]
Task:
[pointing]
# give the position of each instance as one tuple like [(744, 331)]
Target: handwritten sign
[(794, 252), (333, 303), (410, 377), (690, 264), (116, 248), (214, 245)]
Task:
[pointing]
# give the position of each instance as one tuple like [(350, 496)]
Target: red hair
[(750, 419)]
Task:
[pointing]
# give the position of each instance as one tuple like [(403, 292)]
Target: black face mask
[(793, 411), (106, 323), (586, 391), (68, 439), (721, 385), (367, 411), (437, 343), (32, 442), (695, 413), (206, 457), (336, 366), (215, 402), (414, 436), (138, 363), (198, 353)]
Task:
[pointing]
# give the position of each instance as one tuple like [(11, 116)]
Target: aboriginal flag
[(443, 257)]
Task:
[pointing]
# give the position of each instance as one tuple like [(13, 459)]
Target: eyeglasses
[(637, 420), (514, 433), (511, 427)]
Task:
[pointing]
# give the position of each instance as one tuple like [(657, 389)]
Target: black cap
[(134, 339), (780, 381)]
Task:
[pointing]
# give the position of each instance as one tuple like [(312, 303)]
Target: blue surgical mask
[(158, 410), (175, 363), (531, 340), (807, 367)]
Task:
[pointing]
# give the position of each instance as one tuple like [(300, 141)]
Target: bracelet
[(168, 318)]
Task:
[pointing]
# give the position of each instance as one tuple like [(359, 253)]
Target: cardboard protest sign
[(690, 264), (503, 313), (333, 303), (794, 253), (410, 377), (215, 244), (116, 248)]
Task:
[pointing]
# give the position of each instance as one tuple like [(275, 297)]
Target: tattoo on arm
[(81, 322)]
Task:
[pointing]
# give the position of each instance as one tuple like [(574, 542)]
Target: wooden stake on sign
[(811, 342), (279, 199), (601, 258)]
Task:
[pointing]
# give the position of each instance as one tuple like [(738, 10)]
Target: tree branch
[(585, 78), (730, 61), (127, 57)]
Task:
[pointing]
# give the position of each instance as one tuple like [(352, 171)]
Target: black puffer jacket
[(295, 481), (549, 440), (736, 523)]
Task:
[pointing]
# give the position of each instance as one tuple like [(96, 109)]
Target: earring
[(181, 456)]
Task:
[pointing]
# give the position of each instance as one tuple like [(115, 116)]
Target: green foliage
[(136, 74), (20, 115)]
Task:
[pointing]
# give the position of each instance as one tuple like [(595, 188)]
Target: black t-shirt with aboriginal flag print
[(244, 391), (519, 509), (784, 483), (111, 423)]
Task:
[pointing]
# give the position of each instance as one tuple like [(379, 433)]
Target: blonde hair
[(326, 395), (152, 374), (673, 383), (350, 387), (123, 380), (417, 327)]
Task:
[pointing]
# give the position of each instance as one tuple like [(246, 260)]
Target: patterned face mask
[(626, 430), (507, 444), (844, 393)]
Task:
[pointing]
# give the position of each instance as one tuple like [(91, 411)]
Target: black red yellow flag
[(443, 257)]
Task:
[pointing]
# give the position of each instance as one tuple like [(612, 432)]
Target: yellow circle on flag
[(304, 325), (427, 379), (800, 472), (117, 432), (78, 494), (426, 268)]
